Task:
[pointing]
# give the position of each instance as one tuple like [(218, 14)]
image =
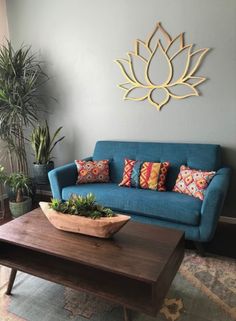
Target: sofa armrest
[(213, 203), (63, 176)]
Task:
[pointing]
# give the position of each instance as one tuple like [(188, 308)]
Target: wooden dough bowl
[(103, 227)]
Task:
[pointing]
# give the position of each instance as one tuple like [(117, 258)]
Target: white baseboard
[(228, 219)]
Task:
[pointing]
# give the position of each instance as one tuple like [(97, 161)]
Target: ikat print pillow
[(92, 171), (146, 175), (153, 176), (128, 169), (193, 182)]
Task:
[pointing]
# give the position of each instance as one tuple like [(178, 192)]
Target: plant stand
[(42, 192), (127, 314)]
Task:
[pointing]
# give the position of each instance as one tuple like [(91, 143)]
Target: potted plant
[(20, 184), (82, 214), (2, 179), (21, 77), (43, 145)]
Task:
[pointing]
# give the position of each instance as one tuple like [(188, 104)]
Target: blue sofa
[(198, 219)]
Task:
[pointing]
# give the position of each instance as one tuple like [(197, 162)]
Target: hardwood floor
[(224, 240)]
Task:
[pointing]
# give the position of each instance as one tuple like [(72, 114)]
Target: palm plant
[(20, 79), (2, 180), (2, 174), (43, 144), (20, 184)]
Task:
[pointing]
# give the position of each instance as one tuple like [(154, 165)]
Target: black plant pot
[(41, 172)]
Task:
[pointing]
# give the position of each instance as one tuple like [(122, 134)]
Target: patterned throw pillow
[(128, 168), (135, 175), (92, 171), (146, 175), (153, 175), (192, 181)]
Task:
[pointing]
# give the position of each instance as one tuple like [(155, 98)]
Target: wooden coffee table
[(135, 268)]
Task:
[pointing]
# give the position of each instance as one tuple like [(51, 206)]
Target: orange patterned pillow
[(146, 175), (92, 171), (153, 175), (192, 181), (128, 168)]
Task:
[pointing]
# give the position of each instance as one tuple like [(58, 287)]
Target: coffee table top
[(139, 251)]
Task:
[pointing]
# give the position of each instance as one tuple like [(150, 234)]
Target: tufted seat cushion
[(170, 206)]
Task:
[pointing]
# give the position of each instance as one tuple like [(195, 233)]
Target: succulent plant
[(81, 206)]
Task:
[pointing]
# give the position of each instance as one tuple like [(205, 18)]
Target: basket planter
[(103, 227), (41, 172), (18, 209)]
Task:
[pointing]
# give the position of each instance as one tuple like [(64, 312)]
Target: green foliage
[(82, 206), (19, 73), (20, 79), (42, 143), (3, 175), (18, 181), (19, 184)]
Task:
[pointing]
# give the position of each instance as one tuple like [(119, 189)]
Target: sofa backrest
[(199, 156)]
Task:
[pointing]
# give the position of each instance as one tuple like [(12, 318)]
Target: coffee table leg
[(11, 281), (127, 314)]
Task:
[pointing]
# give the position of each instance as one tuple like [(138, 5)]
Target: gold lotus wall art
[(160, 68)]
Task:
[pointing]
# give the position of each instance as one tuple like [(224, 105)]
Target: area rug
[(203, 290)]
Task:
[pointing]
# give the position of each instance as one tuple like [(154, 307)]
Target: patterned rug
[(203, 290)]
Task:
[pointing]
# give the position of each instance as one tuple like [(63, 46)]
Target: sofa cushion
[(145, 175), (135, 175), (92, 171), (193, 182), (153, 175), (170, 206), (127, 173)]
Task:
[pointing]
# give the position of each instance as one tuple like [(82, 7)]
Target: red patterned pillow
[(161, 184), (92, 171), (128, 168), (153, 175), (146, 175), (192, 181)]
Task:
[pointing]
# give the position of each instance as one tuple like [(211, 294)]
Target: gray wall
[(79, 40), (3, 21)]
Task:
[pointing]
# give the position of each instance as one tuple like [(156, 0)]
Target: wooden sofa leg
[(200, 249)]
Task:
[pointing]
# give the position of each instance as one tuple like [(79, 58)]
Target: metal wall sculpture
[(161, 68)]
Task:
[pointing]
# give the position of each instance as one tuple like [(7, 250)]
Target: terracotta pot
[(103, 227)]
